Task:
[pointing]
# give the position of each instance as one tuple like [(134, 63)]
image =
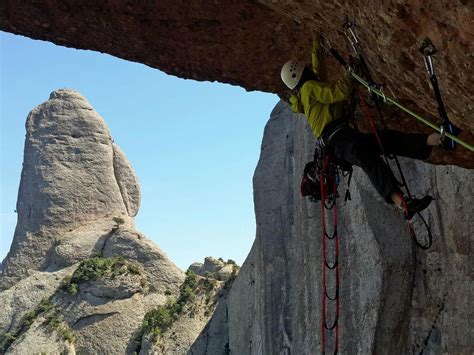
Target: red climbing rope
[(328, 182), (368, 114), (411, 230)]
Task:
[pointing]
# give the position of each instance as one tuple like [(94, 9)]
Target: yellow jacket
[(321, 102)]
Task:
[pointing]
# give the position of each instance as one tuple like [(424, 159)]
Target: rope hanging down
[(404, 183), (328, 185)]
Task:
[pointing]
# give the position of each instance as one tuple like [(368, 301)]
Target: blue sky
[(163, 124)]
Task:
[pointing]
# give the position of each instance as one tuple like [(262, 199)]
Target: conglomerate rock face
[(395, 298), (67, 145), (246, 42), (78, 277)]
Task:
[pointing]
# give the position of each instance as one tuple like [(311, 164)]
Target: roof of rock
[(245, 43)]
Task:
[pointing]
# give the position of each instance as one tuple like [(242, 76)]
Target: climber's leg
[(412, 145), (357, 149)]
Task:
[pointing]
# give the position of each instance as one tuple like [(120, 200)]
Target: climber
[(327, 109)]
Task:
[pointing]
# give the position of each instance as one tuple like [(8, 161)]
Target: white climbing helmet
[(291, 73)]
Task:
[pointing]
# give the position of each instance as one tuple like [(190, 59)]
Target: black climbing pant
[(362, 149)]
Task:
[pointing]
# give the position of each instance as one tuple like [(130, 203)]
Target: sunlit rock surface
[(395, 298)]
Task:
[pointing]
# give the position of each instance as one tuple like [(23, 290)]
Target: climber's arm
[(295, 104), (330, 93), (315, 56)]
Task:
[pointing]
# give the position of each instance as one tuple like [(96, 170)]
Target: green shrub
[(44, 305), (67, 334), (168, 292), (161, 318), (56, 321), (28, 318), (133, 269), (9, 337), (26, 321), (209, 275), (73, 289), (91, 269), (209, 283), (119, 221), (190, 281), (97, 268)]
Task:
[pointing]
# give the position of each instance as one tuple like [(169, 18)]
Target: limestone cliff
[(246, 42), (395, 298)]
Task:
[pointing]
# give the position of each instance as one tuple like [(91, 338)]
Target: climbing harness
[(428, 49), (329, 180), (310, 181)]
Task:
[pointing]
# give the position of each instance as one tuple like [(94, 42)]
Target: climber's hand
[(324, 44)]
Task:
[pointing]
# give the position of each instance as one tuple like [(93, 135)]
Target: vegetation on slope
[(97, 268), (53, 320)]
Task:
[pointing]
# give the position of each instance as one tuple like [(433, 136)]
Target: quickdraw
[(428, 49)]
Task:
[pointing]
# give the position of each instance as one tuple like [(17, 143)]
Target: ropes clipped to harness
[(310, 182), (321, 179)]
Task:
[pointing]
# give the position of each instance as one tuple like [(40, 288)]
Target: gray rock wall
[(72, 175), (395, 298), (78, 195)]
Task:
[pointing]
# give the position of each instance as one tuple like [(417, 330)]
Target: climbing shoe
[(416, 205)]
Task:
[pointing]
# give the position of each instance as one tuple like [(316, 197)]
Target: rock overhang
[(245, 43)]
